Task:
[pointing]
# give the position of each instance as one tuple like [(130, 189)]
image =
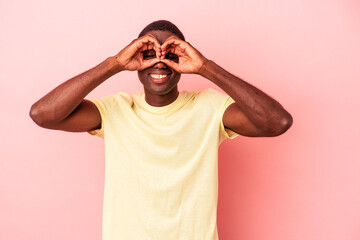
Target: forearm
[(265, 112), (63, 100)]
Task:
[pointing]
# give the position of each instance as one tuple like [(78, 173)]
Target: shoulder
[(213, 93), (114, 98), (213, 96), (108, 102)]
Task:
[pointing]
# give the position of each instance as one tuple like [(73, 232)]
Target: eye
[(149, 54), (172, 57)]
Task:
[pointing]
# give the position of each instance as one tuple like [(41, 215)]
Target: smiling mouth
[(159, 78)]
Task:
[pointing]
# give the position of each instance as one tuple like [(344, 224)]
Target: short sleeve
[(221, 102), (101, 107), (105, 105)]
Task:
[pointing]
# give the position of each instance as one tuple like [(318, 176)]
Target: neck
[(161, 100)]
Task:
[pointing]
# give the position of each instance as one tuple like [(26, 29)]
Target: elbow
[(282, 125), (286, 123), (35, 115), (278, 126), (40, 117)]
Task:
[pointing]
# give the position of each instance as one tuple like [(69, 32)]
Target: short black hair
[(163, 25)]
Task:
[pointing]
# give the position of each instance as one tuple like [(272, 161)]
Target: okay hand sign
[(146, 51), (189, 60), (131, 57)]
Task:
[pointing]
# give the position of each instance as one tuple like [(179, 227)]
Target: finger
[(163, 53), (152, 43), (148, 63), (150, 38), (157, 50), (180, 51), (150, 46), (145, 43), (154, 40), (167, 44), (171, 64), (171, 49), (173, 40), (144, 48), (176, 47)]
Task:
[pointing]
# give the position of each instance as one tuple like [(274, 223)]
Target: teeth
[(157, 76)]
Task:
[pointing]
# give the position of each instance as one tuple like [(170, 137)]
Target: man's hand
[(131, 57), (190, 59), (253, 114)]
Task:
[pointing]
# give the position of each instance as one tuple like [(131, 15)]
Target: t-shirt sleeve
[(104, 105), (221, 102), (98, 132)]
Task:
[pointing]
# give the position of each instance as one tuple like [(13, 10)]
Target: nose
[(160, 65)]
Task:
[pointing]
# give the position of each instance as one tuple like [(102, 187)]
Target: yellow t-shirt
[(161, 165)]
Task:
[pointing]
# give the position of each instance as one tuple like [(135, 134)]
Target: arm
[(65, 108), (254, 113)]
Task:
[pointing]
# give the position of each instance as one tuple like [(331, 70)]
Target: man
[(161, 145)]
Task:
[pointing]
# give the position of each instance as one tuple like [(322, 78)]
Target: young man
[(161, 145)]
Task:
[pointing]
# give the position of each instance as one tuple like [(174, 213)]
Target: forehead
[(161, 35)]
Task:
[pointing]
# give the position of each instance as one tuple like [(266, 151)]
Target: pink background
[(304, 184)]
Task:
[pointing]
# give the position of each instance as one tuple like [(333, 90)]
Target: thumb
[(171, 64), (148, 63)]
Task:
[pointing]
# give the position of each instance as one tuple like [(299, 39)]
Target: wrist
[(205, 68), (117, 64), (114, 65)]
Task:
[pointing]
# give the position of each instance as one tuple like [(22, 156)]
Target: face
[(159, 79)]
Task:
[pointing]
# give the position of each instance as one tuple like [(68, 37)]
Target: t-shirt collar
[(162, 109)]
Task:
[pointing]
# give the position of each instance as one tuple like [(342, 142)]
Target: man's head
[(153, 77), (162, 25)]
